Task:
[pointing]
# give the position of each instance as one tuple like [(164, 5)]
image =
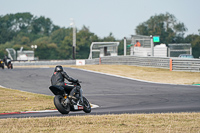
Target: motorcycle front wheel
[(60, 105), (87, 107)]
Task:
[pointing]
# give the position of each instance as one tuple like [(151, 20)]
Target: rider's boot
[(81, 97)]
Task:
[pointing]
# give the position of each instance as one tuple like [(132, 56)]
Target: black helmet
[(58, 69)]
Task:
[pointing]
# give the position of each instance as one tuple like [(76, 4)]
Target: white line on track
[(45, 111)]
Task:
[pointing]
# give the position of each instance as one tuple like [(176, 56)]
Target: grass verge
[(16, 101), (125, 123)]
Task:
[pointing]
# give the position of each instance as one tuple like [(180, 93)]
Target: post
[(99, 60), (124, 46), (74, 42), (74, 38), (33, 47), (152, 46), (170, 65)]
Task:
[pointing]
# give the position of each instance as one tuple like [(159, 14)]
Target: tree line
[(55, 42)]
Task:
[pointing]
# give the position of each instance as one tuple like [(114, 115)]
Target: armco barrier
[(179, 64), (156, 62), (53, 62), (174, 64), (50, 62)]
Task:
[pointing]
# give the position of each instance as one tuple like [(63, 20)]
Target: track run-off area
[(112, 94)]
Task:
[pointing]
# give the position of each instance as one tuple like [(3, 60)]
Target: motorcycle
[(1, 64), (64, 104), (9, 64)]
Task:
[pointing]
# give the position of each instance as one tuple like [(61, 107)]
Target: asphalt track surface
[(113, 95)]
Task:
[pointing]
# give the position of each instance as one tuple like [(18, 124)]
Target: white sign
[(80, 62)]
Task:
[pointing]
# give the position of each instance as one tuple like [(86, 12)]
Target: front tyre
[(60, 105), (87, 107)]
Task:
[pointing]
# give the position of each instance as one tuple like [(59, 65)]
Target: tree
[(65, 50), (109, 38), (45, 48), (195, 41), (164, 25), (84, 40), (42, 26), (58, 35), (13, 24)]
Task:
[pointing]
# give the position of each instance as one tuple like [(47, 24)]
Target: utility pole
[(152, 46), (124, 46), (74, 38)]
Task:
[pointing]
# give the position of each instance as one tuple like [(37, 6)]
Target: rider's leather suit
[(58, 79)]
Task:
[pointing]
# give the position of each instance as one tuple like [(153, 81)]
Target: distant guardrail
[(137, 61), (173, 64), (180, 64), (53, 62)]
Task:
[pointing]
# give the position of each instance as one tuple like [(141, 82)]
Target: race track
[(113, 95)]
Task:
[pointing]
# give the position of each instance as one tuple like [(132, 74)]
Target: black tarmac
[(113, 95)]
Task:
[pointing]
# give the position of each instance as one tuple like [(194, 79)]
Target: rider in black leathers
[(58, 78), (5, 60)]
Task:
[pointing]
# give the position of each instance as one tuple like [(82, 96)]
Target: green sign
[(129, 45), (156, 39)]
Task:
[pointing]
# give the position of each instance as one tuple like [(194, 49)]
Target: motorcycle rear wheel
[(59, 103), (87, 107)]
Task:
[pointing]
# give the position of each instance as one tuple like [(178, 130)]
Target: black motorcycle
[(1, 64), (9, 64), (64, 104)]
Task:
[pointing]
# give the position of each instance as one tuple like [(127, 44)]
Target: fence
[(53, 62), (174, 64), (175, 50), (179, 64), (137, 61)]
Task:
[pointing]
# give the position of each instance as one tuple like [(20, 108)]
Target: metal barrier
[(54, 62), (50, 62), (176, 64), (137, 61), (192, 65), (173, 64)]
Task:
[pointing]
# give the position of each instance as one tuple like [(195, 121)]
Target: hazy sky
[(104, 16)]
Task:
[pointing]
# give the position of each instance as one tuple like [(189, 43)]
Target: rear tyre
[(87, 107), (60, 105)]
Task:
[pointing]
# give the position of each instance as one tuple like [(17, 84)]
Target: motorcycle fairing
[(78, 107), (57, 90)]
